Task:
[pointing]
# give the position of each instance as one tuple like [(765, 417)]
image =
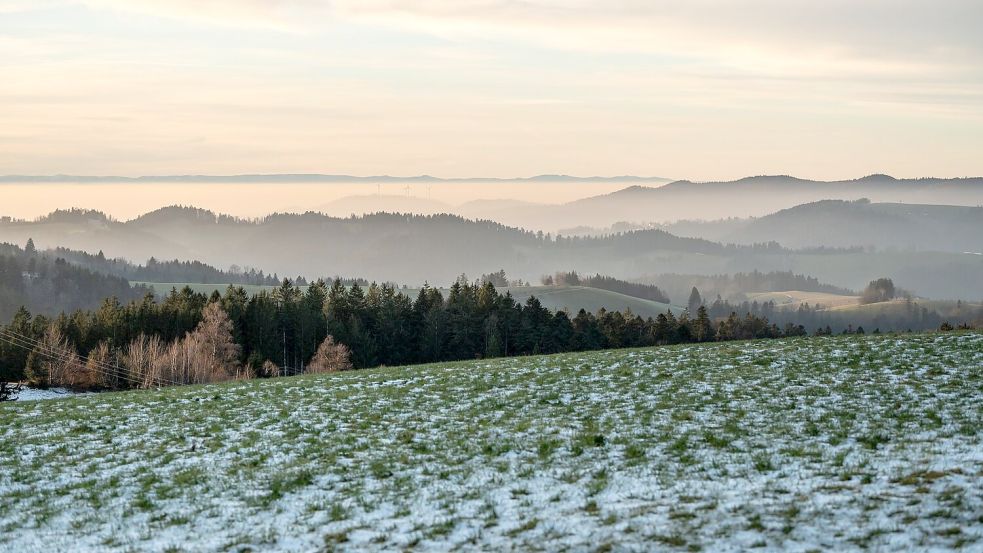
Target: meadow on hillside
[(807, 444)]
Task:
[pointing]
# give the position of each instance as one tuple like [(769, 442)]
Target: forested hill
[(173, 270), (49, 285), (862, 223), (394, 247)]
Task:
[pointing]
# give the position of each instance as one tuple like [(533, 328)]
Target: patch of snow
[(30, 394)]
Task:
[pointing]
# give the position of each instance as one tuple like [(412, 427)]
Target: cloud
[(283, 15), (493, 86), (766, 35), (777, 37)]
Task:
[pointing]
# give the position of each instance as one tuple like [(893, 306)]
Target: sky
[(701, 89)]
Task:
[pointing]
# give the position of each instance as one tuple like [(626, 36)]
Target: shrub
[(878, 290)]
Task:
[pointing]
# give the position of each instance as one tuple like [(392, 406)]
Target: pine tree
[(702, 327)]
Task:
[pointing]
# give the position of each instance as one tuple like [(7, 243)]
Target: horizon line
[(60, 177)]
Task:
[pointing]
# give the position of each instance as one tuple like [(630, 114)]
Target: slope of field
[(574, 298), (792, 299), (899, 305), (820, 443)]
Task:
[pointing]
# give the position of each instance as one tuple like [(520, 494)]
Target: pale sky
[(697, 89)]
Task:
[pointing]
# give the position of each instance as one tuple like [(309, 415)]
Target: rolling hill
[(838, 223), (414, 249), (792, 299)]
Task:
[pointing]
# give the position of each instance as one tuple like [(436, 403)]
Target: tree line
[(60, 279), (634, 289), (192, 337), (737, 285), (910, 315)]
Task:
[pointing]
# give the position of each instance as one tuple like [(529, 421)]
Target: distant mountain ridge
[(314, 177), (877, 178), (644, 202), (747, 197)]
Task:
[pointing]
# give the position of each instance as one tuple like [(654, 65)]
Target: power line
[(31, 344)]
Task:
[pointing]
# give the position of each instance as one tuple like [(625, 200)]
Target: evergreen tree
[(695, 301), (702, 326)]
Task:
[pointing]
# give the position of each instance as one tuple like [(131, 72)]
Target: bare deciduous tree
[(330, 357), (208, 354), (99, 370), (54, 362), (144, 360)]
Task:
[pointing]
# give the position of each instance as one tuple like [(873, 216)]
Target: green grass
[(836, 443)]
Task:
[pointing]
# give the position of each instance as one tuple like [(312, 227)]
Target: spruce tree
[(702, 328)]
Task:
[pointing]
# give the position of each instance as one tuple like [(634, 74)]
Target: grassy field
[(842, 442), (569, 298), (900, 305), (792, 299)]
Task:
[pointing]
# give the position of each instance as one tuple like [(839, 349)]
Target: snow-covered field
[(808, 444), (31, 394)]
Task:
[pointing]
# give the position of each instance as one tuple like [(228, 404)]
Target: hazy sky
[(695, 89)]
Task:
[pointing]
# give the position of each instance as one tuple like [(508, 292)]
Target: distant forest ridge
[(881, 225), (413, 249), (49, 285), (175, 270), (46, 283), (177, 214), (91, 267)]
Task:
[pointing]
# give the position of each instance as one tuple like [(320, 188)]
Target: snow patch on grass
[(818, 443)]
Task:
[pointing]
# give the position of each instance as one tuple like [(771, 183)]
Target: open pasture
[(841, 442)]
